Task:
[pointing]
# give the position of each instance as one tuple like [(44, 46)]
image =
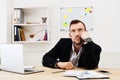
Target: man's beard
[(80, 43)]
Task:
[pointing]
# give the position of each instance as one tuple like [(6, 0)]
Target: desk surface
[(48, 75)]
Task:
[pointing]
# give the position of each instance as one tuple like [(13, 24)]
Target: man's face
[(75, 33)]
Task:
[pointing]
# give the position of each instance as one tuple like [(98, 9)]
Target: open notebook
[(87, 74), (12, 59)]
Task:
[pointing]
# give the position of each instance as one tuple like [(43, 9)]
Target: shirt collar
[(73, 49)]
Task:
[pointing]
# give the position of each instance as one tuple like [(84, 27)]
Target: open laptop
[(12, 59)]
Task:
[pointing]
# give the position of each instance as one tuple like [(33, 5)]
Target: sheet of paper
[(72, 73)]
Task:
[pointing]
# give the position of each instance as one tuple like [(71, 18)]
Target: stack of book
[(19, 34)]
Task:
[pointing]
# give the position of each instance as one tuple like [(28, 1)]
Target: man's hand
[(65, 65), (86, 36)]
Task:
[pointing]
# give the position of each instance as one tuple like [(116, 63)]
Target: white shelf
[(32, 23), (24, 42)]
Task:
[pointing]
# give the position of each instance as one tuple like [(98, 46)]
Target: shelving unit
[(30, 25)]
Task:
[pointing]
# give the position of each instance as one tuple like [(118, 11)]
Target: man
[(77, 51)]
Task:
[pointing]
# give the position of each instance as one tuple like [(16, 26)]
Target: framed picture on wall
[(67, 14)]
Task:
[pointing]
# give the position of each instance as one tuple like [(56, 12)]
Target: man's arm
[(91, 55), (50, 58), (60, 53)]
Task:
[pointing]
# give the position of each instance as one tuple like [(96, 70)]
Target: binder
[(17, 33), (18, 16)]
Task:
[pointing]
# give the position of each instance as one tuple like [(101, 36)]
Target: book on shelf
[(87, 74), (22, 35)]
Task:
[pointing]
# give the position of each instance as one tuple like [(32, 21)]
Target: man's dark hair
[(77, 21)]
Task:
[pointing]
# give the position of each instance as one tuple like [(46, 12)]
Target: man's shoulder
[(65, 39)]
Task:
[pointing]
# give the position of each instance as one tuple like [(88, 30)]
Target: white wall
[(105, 33), (107, 24), (3, 19)]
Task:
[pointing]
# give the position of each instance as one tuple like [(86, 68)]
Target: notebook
[(86, 74), (12, 59)]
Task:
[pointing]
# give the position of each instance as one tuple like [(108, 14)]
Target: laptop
[(12, 59)]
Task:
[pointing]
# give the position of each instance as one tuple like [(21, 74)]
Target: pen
[(104, 71), (58, 71)]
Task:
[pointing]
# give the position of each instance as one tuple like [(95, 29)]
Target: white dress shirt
[(75, 56)]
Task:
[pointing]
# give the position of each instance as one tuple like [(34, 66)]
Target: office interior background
[(105, 29)]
